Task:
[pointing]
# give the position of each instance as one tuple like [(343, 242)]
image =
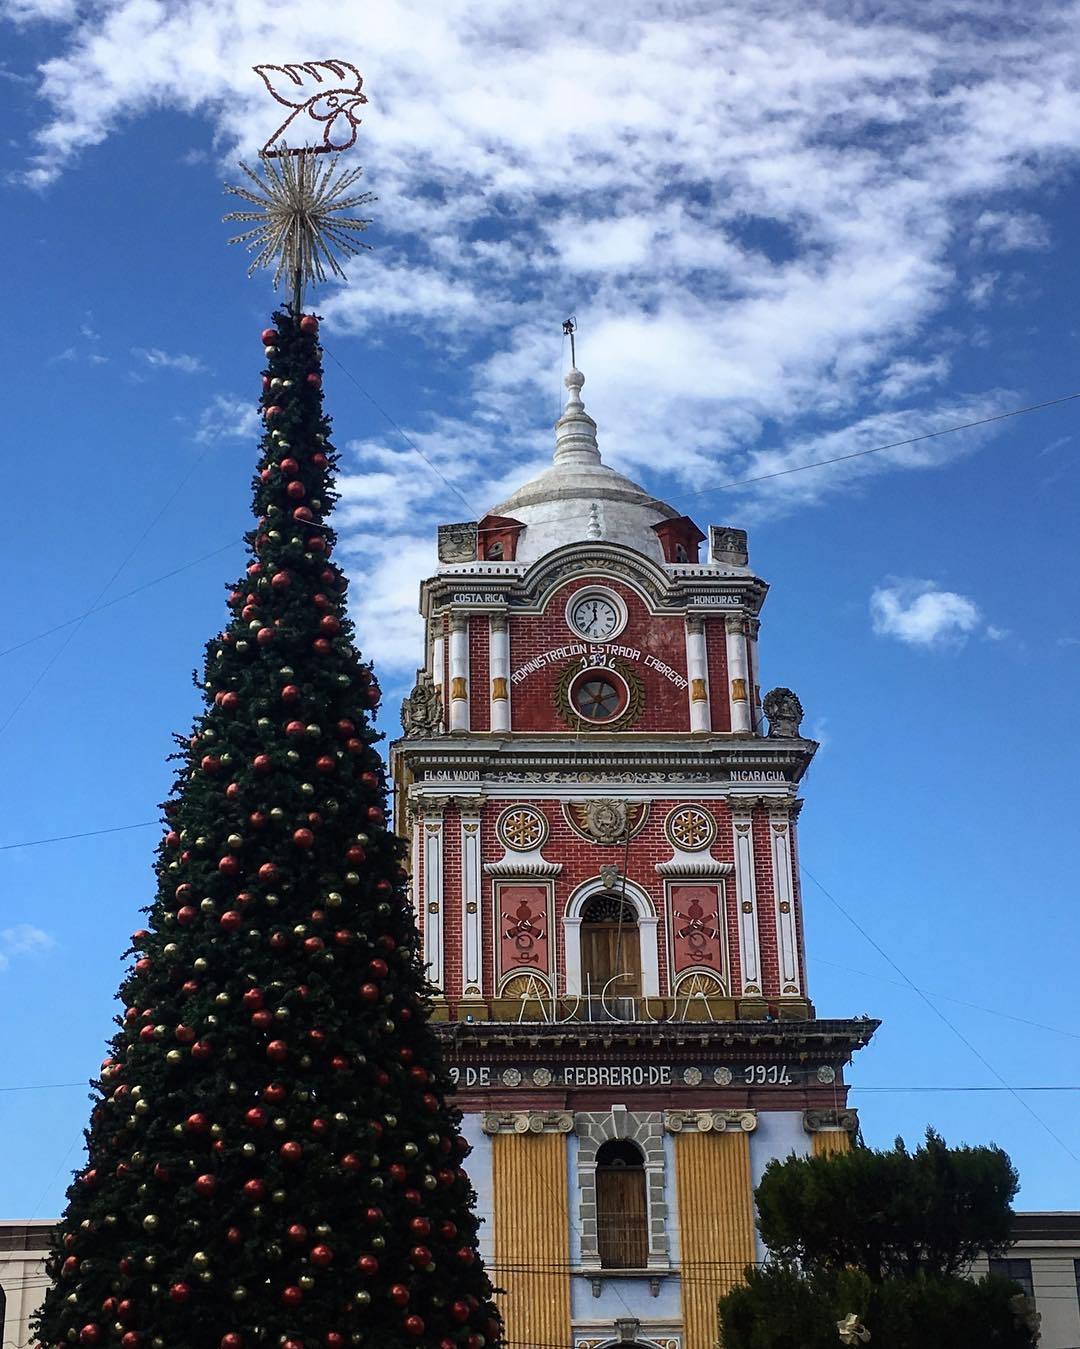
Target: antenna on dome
[(569, 329)]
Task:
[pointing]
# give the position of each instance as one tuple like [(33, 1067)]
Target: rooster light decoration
[(334, 107), (299, 225)]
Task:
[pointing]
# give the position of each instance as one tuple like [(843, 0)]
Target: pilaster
[(746, 898), (472, 925), (459, 673), (787, 940), (697, 669), (438, 661), (738, 674), (499, 649), (431, 825)]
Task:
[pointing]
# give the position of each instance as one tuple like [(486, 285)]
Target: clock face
[(594, 617)]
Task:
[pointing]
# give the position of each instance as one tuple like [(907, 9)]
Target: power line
[(119, 599), (853, 454), (941, 1015), (962, 1002), (405, 437), (64, 838)]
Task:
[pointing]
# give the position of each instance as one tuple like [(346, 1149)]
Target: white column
[(784, 891), (650, 956), (499, 659), (697, 670), (738, 691), (459, 673), (432, 823), (438, 663), (753, 628), (746, 897), (472, 955)]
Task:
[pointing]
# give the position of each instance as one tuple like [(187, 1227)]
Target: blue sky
[(787, 233)]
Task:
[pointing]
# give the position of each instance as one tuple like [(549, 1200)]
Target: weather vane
[(300, 201)]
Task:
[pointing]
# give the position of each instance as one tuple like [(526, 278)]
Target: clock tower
[(602, 812)]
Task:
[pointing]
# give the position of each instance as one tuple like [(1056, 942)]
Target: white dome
[(579, 497)]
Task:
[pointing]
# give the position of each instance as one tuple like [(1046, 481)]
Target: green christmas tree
[(272, 1161)]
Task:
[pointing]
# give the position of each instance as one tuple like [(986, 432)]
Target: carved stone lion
[(421, 712), (785, 713)]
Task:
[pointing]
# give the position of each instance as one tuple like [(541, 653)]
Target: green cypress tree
[(272, 1161)]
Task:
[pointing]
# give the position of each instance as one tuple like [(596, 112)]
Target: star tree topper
[(300, 225)]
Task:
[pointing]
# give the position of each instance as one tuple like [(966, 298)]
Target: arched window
[(622, 1213), (610, 948)]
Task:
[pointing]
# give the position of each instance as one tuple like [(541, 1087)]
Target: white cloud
[(169, 360), (20, 940), (905, 376), (757, 212), (995, 634), (919, 614), (228, 418), (1004, 231)]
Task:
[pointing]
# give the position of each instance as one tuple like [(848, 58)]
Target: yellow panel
[(532, 1237), (830, 1142), (716, 1225)]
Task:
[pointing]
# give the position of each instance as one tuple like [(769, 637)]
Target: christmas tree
[(272, 1161)]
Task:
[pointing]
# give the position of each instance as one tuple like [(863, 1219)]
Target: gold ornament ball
[(411, 1150), (276, 813), (239, 1293), (216, 1131), (378, 1243), (151, 1222), (334, 899), (200, 1260), (174, 1057), (223, 999), (362, 1297), (306, 1282), (136, 1091), (323, 1230), (199, 965), (273, 901), (171, 950), (351, 878), (202, 840), (278, 1196), (207, 906), (150, 1262), (205, 1276), (280, 1123), (235, 841), (340, 1117), (282, 1014), (249, 1149)]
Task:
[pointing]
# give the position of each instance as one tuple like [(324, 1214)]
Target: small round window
[(599, 695)]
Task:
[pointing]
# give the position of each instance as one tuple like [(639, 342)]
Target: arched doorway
[(610, 952), (622, 1210)]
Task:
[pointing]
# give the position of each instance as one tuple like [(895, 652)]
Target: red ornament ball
[(201, 1050), (303, 838), (369, 992), (314, 380), (205, 1185), (291, 1152), (289, 466), (197, 1123), (180, 1292), (254, 1189), (233, 1340), (230, 701), (275, 1093), (231, 920), (459, 1311), (351, 1162), (262, 763), (268, 872), (268, 337), (414, 1325), (281, 580), (321, 1256), (290, 693), (322, 646), (296, 490), (297, 1233), (264, 636), (277, 1051), (309, 325), (229, 865), (256, 1117), (399, 1294), (90, 1334), (324, 764), (295, 729), (334, 1340), (367, 1264), (292, 1296)]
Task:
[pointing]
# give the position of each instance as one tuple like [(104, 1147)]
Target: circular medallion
[(511, 1077), (541, 1077), (596, 613), (692, 1076), (721, 1076), (690, 828), (826, 1075), (521, 828), (607, 697)]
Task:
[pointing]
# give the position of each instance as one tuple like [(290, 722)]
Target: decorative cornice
[(528, 1122), (830, 1121), (524, 864), (710, 1121), (693, 864)]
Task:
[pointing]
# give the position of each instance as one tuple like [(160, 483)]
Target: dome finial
[(575, 431)]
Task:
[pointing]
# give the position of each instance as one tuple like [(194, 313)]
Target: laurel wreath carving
[(627, 718)]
